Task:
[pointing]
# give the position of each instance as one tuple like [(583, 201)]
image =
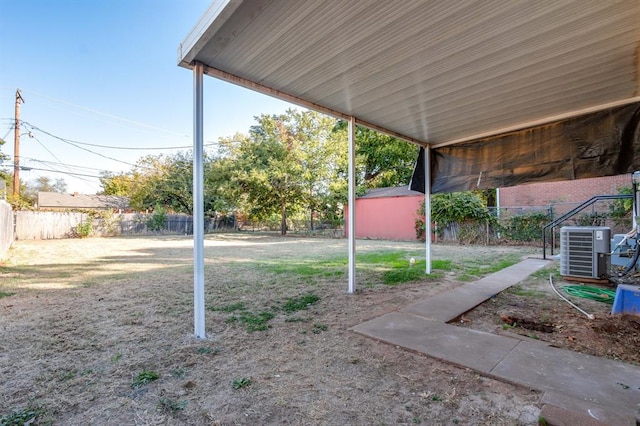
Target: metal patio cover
[(434, 72), (500, 92)]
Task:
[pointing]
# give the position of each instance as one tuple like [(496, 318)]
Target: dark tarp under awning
[(602, 143)]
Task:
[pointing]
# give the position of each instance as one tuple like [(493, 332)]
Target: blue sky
[(105, 72)]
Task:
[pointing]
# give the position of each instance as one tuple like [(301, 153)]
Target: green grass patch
[(471, 271), (23, 416), (394, 265), (255, 321), (143, 378), (5, 294), (544, 272), (308, 268), (300, 303), (240, 383), (402, 272)]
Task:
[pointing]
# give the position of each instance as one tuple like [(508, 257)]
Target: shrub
[(84, 228), (156, 221), (525, 227), (455, 207)]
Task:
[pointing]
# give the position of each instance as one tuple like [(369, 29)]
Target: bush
[(84, 228), (455, 207), (525, 228), (157, 220)]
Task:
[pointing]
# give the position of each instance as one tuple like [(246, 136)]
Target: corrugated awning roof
[(433, 72)]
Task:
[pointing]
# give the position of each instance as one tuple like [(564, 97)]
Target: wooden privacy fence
[(39, 225), (6, 227), (32, 225)]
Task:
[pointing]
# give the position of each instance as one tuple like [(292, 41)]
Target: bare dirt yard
[(531, 310), (100, 331)]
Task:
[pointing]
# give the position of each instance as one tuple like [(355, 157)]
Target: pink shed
[(387, 213)]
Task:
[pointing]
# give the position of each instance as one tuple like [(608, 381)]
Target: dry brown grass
[(87, 316)]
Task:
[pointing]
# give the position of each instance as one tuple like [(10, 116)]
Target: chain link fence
[(524, 224)]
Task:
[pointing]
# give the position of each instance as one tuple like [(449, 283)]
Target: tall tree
[(381, 160), (120, 184), (267, 169), (320, 150)]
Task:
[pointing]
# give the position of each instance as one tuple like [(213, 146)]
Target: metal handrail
[(573, 212)]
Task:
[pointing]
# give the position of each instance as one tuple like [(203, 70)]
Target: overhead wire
[(64, 164), (104, 114), (59, 171), (129, 148), (69, 142)]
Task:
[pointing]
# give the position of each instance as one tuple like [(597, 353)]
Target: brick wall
[(571, 191)]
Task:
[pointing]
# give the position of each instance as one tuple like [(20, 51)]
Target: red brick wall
[(571, 191)]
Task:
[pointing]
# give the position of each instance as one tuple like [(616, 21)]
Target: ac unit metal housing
[(585, 251)]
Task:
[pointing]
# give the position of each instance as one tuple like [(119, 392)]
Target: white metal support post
[(198, 202), (427, 206), (351, 225)]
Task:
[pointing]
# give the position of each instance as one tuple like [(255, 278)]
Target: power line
[(112, 116), (78, 146), (113, 147), (64, 164), (53, 155), (26, 168)]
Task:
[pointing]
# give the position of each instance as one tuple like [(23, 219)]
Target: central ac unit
[(584, 251)]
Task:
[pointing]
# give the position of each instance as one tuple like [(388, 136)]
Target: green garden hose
[(592, 293)]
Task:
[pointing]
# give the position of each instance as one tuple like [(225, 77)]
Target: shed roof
[(433, 72), (394, 191), (81, 201)]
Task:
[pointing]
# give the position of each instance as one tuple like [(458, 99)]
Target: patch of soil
[(531, 310)]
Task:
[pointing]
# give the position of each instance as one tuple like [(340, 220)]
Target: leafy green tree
[(320, 150), (267, 169), (3, 156), (119, 184), (162, 180), (381, 160), (287, 164), (169, 182)]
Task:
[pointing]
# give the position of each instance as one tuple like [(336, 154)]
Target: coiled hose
[(588, 315), (591, 293)]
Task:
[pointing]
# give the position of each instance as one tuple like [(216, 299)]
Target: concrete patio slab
[(558, 407), (453, 303), (462, 346), (598, 382)]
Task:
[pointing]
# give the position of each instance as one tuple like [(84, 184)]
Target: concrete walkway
[(578, 388)]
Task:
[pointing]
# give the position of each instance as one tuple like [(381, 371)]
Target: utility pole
[(16, 146)]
